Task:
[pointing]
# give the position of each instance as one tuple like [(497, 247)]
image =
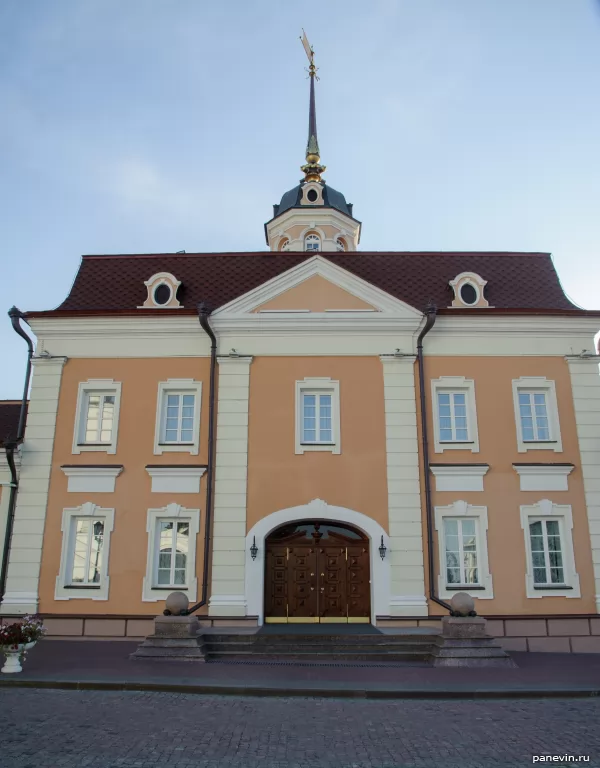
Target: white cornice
[(88, 479)]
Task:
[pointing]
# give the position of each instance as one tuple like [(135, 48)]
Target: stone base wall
[(132, 628), (551, 634)]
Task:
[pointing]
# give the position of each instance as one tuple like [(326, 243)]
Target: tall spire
[(312, 170)]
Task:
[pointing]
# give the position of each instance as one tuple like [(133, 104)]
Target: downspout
[(430, 317), (203, 315), (15, 317)]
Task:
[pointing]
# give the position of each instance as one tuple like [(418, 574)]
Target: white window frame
[(313, 235), (177, 386), (548, 387), (547, 510), (319, 386), (63, 589), (85, 389), (151, 593), (449, 384), (462, 509)]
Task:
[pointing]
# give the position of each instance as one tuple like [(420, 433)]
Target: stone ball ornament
[(176, 604), (462, 604)]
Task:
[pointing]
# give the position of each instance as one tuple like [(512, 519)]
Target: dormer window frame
[(477, 283), (154, 283)]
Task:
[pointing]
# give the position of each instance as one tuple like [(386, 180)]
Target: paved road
[(100, 729)]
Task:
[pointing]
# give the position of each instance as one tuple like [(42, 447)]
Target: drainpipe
[(430, 317), (203, 314), (15, 317)]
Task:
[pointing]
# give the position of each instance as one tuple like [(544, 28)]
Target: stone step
[(319, 656), (168, 653), (277, 648), (320, 640)]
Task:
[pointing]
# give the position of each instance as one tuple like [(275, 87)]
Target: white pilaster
[(5, 483), (25, 557), (404, 493), (231, 474), (585, 382)]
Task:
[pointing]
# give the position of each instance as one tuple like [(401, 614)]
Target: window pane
[(80, 551), (539, 576), (186, 436), (468, 527), (453, 575), (188, 400), (462, 435), (171, 436), (164, 576), (310, 436), (95, 565), (443, 398), (451, 527), (173, 400), (459, 399), (539, 399)]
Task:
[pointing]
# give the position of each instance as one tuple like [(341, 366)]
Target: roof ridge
[(298, 254)]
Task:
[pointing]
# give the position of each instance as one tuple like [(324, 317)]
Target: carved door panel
[(302, 584), (331, 570), (276, 583), (358, 584)]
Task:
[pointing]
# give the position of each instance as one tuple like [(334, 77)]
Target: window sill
[(328, 444), (470, 587), (544, 587), (541, 442), (82, 586), (163, 445), (456, 442), (94, 445), (175, 587)]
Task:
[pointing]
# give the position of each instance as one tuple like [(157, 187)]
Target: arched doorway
[(317, 571)]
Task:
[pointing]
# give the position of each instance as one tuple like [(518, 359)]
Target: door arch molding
[(255, 569)]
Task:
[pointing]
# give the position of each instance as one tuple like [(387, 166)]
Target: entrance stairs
[(329, 645)]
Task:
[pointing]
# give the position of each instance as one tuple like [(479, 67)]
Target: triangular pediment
[(315, 294), (321, 287)]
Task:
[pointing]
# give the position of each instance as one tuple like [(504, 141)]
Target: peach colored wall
[(132, 497), (316, 294), (502, 495), (277, 477)]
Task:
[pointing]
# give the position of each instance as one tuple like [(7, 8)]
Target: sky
[(161, 125)]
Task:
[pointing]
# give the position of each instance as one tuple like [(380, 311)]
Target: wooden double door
[(317, 572)]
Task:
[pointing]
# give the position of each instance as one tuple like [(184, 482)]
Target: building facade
[(312, 434)]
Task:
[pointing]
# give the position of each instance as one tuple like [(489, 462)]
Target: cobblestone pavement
[(105, 729)]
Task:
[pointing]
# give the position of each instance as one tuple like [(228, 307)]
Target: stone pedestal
[(175, 638), (464, 642)]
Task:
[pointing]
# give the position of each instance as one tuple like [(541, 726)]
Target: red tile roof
[(516, 281), (10, 410)]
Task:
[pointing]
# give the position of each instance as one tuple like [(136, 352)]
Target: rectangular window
[(533, 412), (316, 418), (460, 535), (546, 552), (87, 541), (172, 555), (452, 414), (178, 417), (99, 418)]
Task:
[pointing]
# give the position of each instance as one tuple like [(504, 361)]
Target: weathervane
[(312, 170)]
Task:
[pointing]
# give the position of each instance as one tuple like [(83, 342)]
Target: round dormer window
[(468, 294), (162, 294), (312, 195)]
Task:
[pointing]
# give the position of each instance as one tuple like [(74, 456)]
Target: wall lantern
[(382, 549), (253, 549)]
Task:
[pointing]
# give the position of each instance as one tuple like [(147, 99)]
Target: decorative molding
[(564, 514), (325, 386), (175, 512), (315, 509), (477, 282), (548, 387), (467, 387), (175, 479), (162, 278), (462, 509), (544, 477), (179, 386), (87, 479), (89, 387), (459, 477), (62, 590)]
